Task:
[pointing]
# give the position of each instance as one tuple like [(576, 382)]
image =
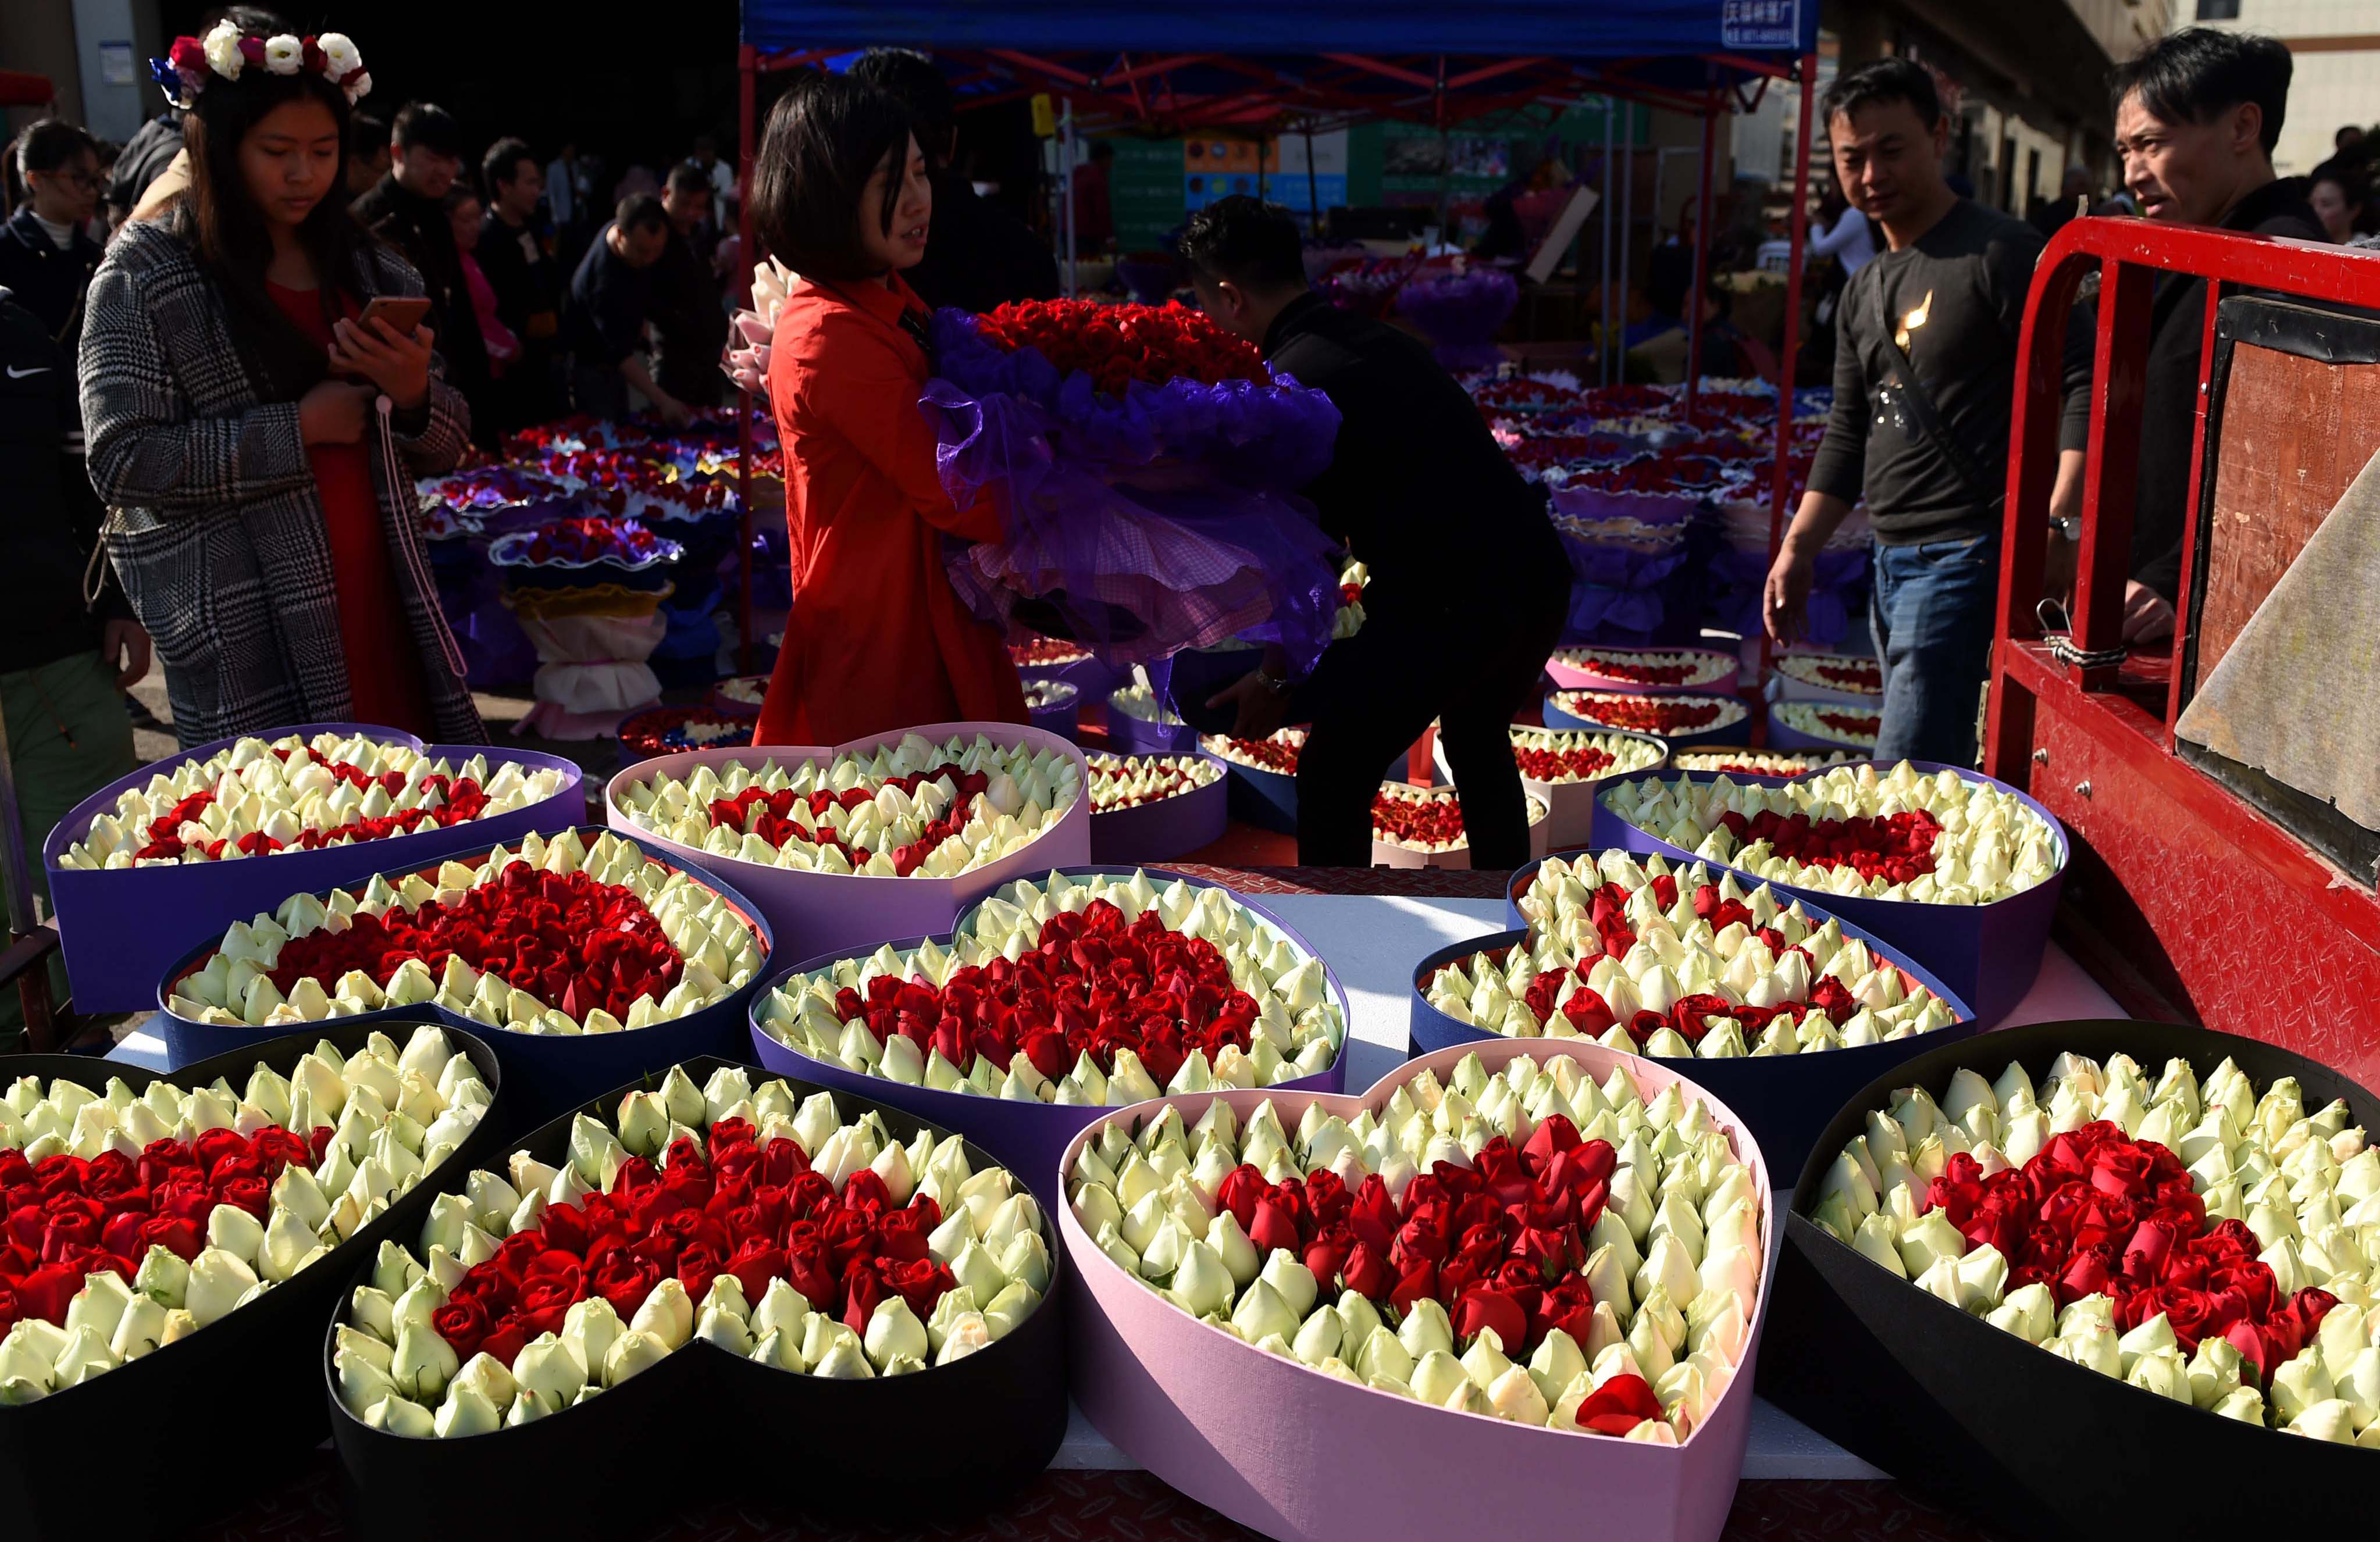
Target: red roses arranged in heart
[(1643, 714), (1690, 1015), (1549, 765), (1421, 821), (1500, 1245), (566, 939), (1898, 848), (1094, 984), (1858, 675), (2098, 1212), (731, 1206), (1275, 754), (1636, 671), (69, 1216), (1116, 344), (1858, 724), (769, 815), (463, 801)]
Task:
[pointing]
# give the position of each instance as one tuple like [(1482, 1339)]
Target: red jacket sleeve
[(859, 384)]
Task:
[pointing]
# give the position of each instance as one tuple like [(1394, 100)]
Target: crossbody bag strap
[(1920, 405)]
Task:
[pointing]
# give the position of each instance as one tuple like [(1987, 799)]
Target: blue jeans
[(1933, 616)]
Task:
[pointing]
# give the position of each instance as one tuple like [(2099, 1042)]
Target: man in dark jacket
[(149, 151), (978, 257), (2197, 115), (63, 665), (408, 209), (527, 282), (46, 256), (690, 317), (1469, 583), (1925, 342)]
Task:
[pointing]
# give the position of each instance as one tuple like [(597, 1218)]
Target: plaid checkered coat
[(216, 527)]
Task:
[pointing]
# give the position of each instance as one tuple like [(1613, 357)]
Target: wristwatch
[(1277, 683), (2067, 525)]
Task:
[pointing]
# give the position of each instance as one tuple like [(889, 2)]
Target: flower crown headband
[(225, 51)]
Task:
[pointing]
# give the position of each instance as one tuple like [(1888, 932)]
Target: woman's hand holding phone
[(398, 362)]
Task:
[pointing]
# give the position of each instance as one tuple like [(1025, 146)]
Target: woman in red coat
[(876, 641)]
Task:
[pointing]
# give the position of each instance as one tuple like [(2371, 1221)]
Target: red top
[(384, 661), (878, 640)]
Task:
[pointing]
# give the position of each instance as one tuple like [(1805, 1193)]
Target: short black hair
[(367, 136), (641, 212), (913, 80), (502, 164), (825, 139), (426, 126), (1254, 244), (1881, 81), (2191, 75), (50, 144), (461, 193), (687, 177)]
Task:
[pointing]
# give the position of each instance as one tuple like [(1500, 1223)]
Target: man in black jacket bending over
[(1469, 585)]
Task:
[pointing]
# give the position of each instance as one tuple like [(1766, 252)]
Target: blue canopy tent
[(1259, 63)]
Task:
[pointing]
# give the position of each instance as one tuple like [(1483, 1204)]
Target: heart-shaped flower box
[(1134, 734), (1027, 1135), (1304, 1457), (64, 1458), (814, 911), (121, 927), (1785, 1098), (1647, 713), (1053, 705), (702, 1420), (1163, 829), (1988, 954), (1390, 852), (1646, 671), (1570, 804), (1266, 794), (1993, 1425), (1743, 762), (1806, 676), (546, 1070), (1830, 725)]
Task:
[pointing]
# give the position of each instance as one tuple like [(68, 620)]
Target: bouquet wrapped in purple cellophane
[(1137, 517)]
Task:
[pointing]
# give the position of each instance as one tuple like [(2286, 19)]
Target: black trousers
[(1374, 693)]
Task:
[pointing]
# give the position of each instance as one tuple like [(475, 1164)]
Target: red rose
[(1618, 1406), (1483, 1308), (461, 1323)]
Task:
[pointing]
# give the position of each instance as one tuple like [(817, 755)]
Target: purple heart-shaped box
[(1027, 1137), (1988, 954), (121, 928)]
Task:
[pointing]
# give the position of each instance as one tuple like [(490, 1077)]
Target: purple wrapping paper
[(1164, 831), (1786, 1099), (1156, 521), (1028, 1138), (813, 912), (1303, 1457), (1988, 954), (120, 930), (1461, 312), (544, 1074)]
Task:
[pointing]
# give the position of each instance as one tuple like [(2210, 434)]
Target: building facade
[(2336, 44)]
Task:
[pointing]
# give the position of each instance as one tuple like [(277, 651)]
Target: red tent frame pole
[(1798, 225), (747, 72), (1702, 254)]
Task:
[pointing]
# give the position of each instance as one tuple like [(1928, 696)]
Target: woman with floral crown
[(256, 434), (877, 639)]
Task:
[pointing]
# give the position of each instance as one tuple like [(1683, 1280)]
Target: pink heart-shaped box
[(817, 912), (1304, 1457)]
